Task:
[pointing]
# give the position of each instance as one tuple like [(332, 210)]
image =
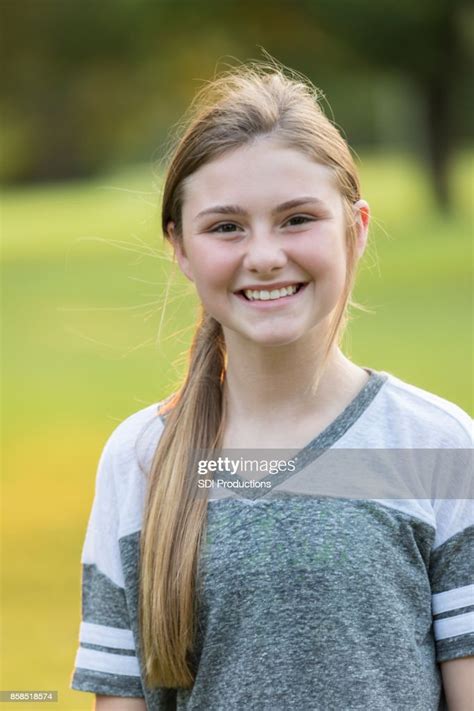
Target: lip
[(269, 287), (273, 303)]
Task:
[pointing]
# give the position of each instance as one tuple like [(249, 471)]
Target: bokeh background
[(90, 91)]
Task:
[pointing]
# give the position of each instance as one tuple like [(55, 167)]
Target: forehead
[(263, 172)]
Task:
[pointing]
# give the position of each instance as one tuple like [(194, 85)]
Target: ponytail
[(174, 521)]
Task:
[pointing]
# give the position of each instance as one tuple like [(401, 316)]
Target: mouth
[(264, 298)]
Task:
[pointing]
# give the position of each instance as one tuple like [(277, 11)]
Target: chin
[(273, 339)]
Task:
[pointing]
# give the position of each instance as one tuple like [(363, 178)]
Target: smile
[(264, 297)]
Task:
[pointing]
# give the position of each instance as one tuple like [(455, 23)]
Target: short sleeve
[(452, 579), (106, 660)]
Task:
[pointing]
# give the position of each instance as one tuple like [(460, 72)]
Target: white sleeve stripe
[(453, 599), (93, 660), (114, 637), (454, 626)]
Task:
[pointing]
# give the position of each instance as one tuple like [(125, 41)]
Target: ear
[(179, 252), (362, 219)]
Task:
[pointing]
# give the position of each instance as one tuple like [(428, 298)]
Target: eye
[(222, 228), (301, 220)]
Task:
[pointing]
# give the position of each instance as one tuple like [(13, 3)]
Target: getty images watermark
[(336, 472), (230, 470)]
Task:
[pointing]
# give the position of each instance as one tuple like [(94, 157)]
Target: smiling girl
[(283, 599)]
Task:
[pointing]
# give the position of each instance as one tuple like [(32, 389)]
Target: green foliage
[(89, 85)]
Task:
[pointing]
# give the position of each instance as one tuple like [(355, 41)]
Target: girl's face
[(256, 220)]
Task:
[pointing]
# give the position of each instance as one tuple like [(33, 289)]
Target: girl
[(277, 598)]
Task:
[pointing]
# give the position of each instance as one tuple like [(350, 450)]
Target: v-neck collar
[(339, 426), (319, 444)]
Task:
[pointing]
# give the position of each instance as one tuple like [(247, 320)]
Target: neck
[(269, 384)]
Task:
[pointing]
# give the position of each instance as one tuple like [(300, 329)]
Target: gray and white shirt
[(307, 599)]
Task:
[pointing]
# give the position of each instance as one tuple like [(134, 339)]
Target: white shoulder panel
[(119, 490)]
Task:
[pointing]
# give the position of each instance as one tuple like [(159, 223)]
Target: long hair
[(241, 104)]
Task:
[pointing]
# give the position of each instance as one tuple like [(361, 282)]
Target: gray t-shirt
[(307, 600)]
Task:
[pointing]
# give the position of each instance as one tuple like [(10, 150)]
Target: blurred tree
[(64, 64), (87, 82), (424, 40)]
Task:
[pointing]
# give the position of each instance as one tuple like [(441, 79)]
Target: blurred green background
[(96, 321)]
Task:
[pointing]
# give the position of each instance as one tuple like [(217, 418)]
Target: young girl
[(273, 598)]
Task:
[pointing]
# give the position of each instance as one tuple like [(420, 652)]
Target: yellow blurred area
[(45, 503)]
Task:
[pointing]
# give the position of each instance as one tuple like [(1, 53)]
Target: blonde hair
[(255, 99)]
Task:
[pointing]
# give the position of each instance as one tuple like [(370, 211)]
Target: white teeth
[(264, 295)]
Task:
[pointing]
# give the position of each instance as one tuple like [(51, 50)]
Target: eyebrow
[(237, 210)]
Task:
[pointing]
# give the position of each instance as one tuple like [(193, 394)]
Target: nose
[(264, 253)]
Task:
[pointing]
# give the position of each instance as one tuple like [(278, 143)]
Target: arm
[(118, 703), (458, 682)]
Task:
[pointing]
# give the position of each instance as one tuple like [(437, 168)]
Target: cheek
[(324, 257), (214, 267)]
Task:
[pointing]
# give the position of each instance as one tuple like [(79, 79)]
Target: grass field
[(84, 282)]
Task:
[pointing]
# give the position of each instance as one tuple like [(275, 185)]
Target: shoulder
[(420, 417), (127, 457), (124, 438)]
